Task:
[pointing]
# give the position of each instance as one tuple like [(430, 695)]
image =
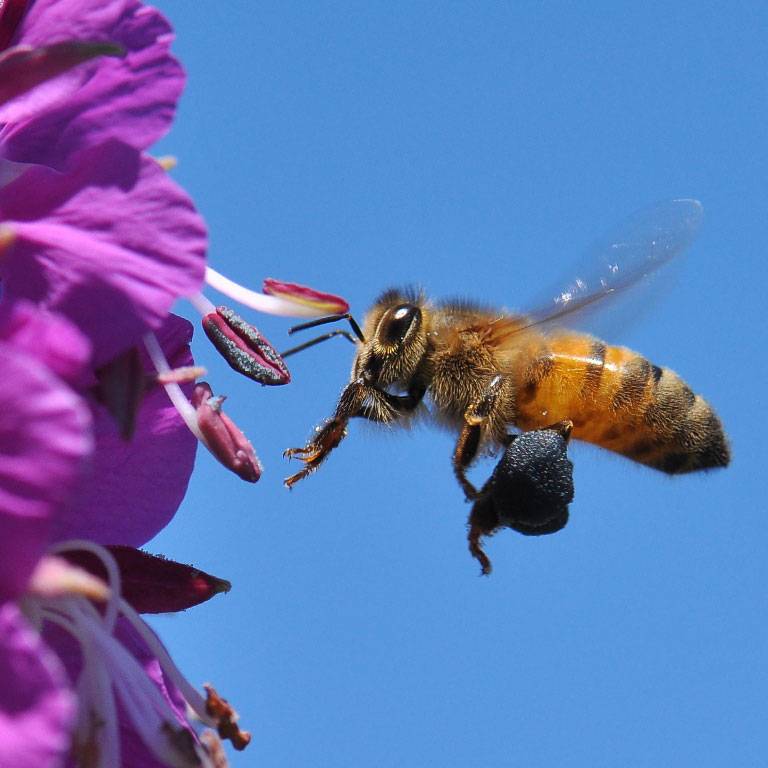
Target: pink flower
[(60, 654)]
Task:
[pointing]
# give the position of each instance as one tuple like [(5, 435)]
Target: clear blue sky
[(477, 149)]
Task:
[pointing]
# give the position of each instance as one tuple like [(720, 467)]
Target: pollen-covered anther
[(244, 348), (182, 375), (222, 436), (226, 719), (167, 162)]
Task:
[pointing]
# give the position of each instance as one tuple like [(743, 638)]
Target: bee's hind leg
[(475, 419), (483, 521)]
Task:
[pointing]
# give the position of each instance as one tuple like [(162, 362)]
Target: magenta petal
[(133, 489), (23, 68), (132, 99), (44, 435), (37, 708), (110, 245), (50, 21), (49, 338)]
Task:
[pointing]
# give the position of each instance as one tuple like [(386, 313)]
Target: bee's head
[(396, 340)]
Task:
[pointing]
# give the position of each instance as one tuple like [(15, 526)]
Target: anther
[(244, 348)]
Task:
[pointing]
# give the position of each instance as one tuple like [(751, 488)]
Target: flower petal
[(23, 68), (49, 338), (110, 245), (37, 707), (11, 14), (132, 99), (44, 435), (132, 505)]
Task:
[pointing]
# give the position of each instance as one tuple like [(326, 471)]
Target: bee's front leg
[(357, 400), (329, 435), (475, 419), (326, 439)]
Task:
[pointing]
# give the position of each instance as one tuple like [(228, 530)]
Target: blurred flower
[(96, 243), (98, 231), (73, 674), (112, 242), (132, 98)]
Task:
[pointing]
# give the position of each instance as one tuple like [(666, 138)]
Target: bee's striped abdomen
[(619, 400)]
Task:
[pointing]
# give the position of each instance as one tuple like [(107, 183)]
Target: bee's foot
[(476, 549), (289, 453), (289, 482)]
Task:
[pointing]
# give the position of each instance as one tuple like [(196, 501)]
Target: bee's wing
[(624, 259)]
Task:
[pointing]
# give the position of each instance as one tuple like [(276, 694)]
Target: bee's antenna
[(331, 319), (311, 343)]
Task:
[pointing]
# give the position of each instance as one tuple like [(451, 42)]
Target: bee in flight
[(485, 371)]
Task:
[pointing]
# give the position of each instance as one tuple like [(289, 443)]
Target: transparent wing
[(625, 258)]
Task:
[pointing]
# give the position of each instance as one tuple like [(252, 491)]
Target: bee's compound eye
[(399, 323)]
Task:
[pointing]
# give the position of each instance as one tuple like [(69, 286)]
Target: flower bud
[(150, 583)]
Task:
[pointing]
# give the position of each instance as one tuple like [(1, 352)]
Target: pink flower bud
[(150, 583)]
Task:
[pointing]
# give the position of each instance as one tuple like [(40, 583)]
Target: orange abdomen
[(620, 401)]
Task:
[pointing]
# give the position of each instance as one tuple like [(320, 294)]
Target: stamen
[(185, 374), (96, 738), (223, 437), (167, 162), (54, 577), (190, 694), (286, 304), (75, 614), (244, 348), (325, 303), (219, 435), (110, 671), (226, 719), (110, 566), (174, 391)]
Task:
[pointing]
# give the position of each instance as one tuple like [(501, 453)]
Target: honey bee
[(484, 371)]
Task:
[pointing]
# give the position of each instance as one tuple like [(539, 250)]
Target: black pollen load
[(530, 489)]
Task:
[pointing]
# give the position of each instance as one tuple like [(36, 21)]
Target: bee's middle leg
[(475, 420)]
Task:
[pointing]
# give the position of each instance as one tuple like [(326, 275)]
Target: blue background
[(478, 149)]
